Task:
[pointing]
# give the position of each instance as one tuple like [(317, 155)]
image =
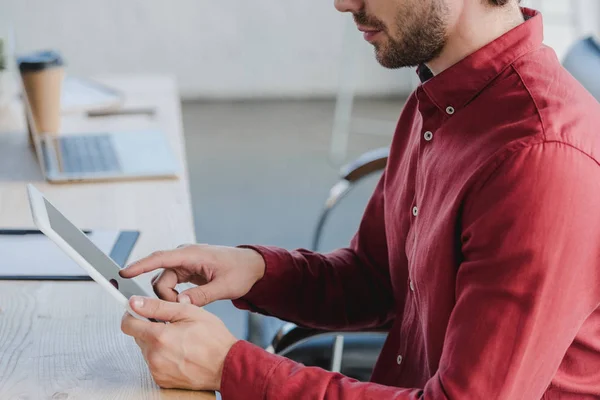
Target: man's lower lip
[(370, 36)]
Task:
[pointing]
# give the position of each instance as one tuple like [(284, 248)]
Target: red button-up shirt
[(480, 247)]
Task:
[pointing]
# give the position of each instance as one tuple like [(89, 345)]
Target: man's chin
[(384, 59), (382, 54), (391, 58)]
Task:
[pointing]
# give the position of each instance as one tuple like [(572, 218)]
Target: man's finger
[(156, 260), (164, 285), (204, 294), (160, 309), (134, 327)]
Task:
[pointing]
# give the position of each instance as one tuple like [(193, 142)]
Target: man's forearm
[(252, 373), (347, 289), (339, 290)]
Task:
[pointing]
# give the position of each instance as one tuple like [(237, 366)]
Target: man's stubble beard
[(421, 37)]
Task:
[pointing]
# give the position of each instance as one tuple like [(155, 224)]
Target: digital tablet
[(76, 244)]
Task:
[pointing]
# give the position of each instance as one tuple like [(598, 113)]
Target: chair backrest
[(583, 62)]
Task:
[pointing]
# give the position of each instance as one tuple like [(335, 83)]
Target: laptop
[(102, 156)]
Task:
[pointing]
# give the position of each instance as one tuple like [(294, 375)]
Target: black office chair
[(262, 329), (351, 353), (354, 354)]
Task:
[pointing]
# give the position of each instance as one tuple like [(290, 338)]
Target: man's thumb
[(158, 309), (201, 295)]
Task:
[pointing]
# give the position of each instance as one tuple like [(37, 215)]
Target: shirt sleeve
[(528, 281), (347, 289)]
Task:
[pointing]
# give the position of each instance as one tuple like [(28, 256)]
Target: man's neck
[(475, 28)]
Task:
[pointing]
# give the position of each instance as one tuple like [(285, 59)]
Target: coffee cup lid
[(39, 61)]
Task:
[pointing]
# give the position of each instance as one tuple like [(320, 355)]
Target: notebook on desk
[(29, 255)]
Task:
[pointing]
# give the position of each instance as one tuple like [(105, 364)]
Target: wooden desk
[(63, 340)]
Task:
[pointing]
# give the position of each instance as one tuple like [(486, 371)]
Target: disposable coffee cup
[(42, 74)]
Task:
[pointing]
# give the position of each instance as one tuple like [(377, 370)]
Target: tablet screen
[(92, 254)]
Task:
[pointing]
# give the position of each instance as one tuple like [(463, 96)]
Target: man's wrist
[(247, 371), (273, 285), (220, 374), (256, 262)]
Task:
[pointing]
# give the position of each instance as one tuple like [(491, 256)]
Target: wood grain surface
[(62, 340)]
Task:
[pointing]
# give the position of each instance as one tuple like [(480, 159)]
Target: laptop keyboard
[(88, 154)]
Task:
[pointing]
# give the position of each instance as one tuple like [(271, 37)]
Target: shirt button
[(450, 110), (412, 286), (415, 211), (399, 360), (428, 136)]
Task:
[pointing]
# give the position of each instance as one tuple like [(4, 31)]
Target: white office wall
[(567, 20), (232, 48)]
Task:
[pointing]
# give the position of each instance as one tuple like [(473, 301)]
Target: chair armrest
[(291, 334), (368, 163)]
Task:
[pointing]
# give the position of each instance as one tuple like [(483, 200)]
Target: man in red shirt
[(480, 248)]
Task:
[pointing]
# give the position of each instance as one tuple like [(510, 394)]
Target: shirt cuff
[(247, 371), (271, 285)]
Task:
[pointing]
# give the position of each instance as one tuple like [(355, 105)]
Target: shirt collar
[(456, 86)]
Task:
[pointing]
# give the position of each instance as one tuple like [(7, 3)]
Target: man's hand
[(187, 353), (221, 273)]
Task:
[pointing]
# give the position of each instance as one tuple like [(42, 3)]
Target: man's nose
[(352, 6)]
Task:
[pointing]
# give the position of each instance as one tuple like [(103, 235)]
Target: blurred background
[(276, 97)]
